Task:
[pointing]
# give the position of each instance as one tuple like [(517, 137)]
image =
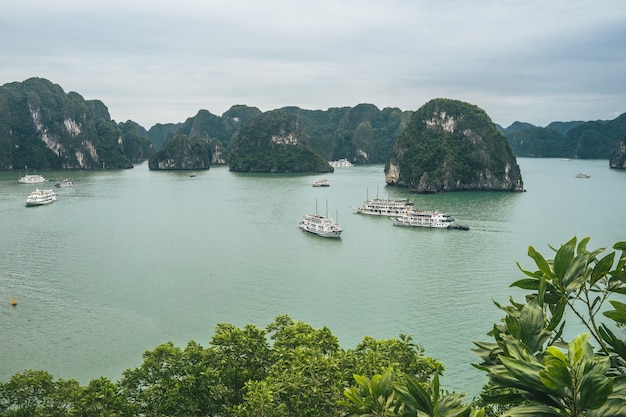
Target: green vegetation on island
[(292, 369), (450, 145)]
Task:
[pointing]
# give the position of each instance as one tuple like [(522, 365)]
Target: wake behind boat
[(430, 219), (40, 197)]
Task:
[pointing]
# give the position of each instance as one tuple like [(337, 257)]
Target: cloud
[(162, 61)]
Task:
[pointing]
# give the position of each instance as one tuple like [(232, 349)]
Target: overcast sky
[(161, 61)]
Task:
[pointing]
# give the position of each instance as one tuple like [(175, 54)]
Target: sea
[(126, 260)]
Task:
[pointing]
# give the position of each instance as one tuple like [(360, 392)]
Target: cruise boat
[(40, 197), (32, 179), (64, 184), (321, 225), (432, 219), (386, 207), (340, 163), (321, 183)]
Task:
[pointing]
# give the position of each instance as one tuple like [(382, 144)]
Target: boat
[(40, 197), (340, 163), (64, 184), (320, 225), (31, 179), (193, 175), (321, 183), (386, 207), (430, 219), (582, 175)]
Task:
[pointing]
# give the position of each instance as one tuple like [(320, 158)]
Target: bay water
[(127, 260)]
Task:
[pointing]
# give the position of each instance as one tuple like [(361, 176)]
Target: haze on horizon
[(162, 61)]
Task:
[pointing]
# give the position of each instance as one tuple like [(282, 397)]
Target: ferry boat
[(431, 219), (321, 183), (386, 207), (31, 179), (64, 184), (321, 225), (40, 197)]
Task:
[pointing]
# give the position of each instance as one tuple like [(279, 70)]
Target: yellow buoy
[(14, 302)]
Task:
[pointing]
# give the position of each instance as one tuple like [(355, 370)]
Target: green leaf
[(526, 373), (532, 331), (594, 391), (527, 284), (542, 264), (532, 411), (613, 407), (619, 314), (602, 268), (563, 258), (574, 278), (555, 375)]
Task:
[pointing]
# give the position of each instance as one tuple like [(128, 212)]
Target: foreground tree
[(530, 365)]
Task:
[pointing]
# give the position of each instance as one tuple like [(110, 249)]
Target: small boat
[(31, 179), (321, 183), (14, 302), (193, 175), (320, 225), (582, 175), (40, 197), (64, 184)]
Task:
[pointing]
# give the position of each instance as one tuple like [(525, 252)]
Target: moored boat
[(340, 163), (40, 197), (429, 219), (32, 179), (321, 225)]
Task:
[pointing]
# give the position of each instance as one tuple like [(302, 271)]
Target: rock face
[(181, 153), (449, 145), (43, 127), (618, 159), (274, 141)]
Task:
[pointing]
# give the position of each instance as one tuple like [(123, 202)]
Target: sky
[(162, 61)]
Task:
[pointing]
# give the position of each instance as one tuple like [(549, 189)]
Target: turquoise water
[(127, 260)]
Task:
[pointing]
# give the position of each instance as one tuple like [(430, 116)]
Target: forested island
[(44, 128), (290, 368)]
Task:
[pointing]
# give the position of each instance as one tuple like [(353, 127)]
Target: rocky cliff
[(274, 141), (180, 153), (449, 145), (43, 127), (618, 159)]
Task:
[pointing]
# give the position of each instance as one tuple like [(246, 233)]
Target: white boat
[(320, 225), (40, 197), (431, 219), (340, 163), (321, 183), (386, 207), (32, 179), (64, 184), (582, 175)]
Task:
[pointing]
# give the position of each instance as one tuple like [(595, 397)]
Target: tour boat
[(432, 219), (31, 179), (40, 197), (386, 207), (321, 183), (321, 225), (340, 163)]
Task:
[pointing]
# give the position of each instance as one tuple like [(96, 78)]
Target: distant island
[(43, 127)]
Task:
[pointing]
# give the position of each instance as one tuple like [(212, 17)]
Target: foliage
[(182, 152), (529, 363)]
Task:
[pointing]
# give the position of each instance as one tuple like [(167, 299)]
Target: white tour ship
[(40, 197)]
